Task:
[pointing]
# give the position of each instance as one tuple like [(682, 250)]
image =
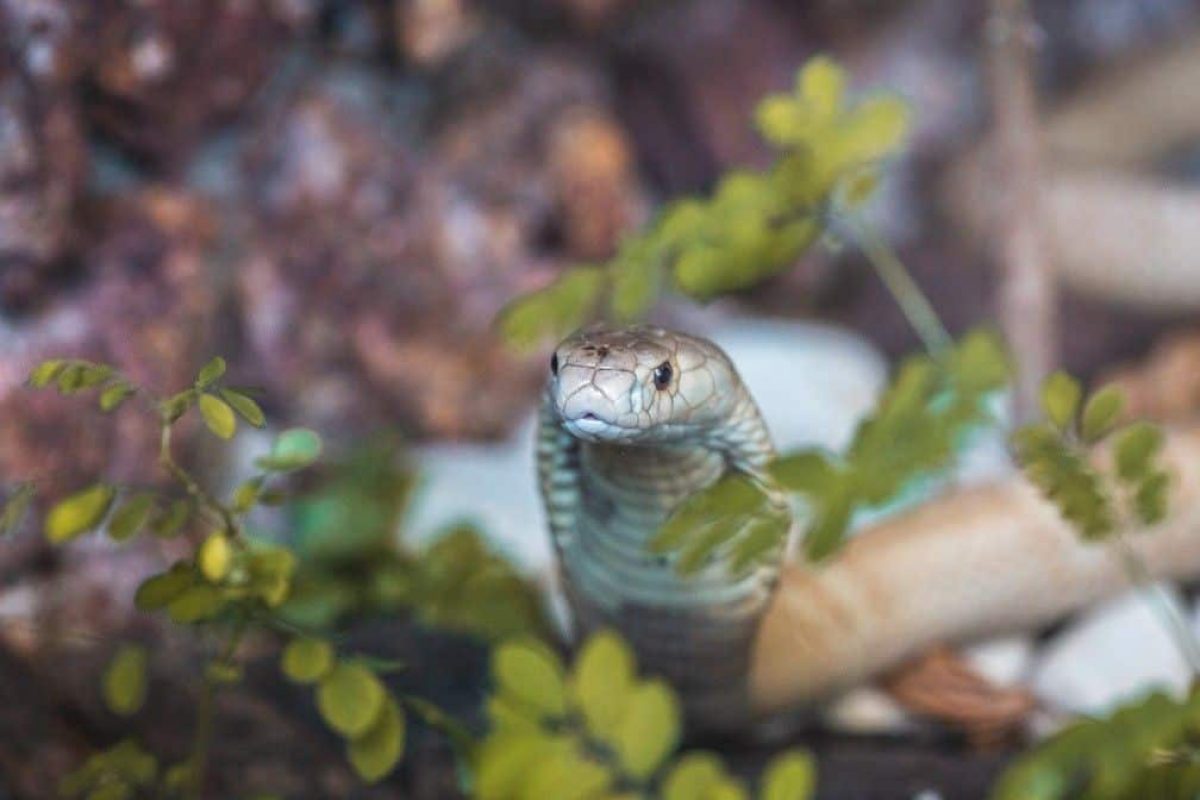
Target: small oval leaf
[(649, 729), (1060, 399), (1101, 413), (307, 660), (376, 752), (350, 698), (790, 776), (218, 416), (78, 513), (131, 517), (295, 448), (210, 372), (528, 672), (125, 680), (214, 557), (158, 590), (245, 406)]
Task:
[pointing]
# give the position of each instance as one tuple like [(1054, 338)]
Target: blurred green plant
[(354, 559), (1150, 747), (754, 225), (600, 731), (230, 584)]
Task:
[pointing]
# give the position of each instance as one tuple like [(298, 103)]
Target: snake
[(633, 421)]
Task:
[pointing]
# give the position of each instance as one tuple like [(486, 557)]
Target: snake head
[(641, 385)]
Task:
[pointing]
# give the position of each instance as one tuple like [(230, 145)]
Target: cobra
[(633, 421)]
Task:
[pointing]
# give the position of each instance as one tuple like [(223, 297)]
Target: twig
[(1028, 295)]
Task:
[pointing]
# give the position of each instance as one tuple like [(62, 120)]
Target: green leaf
[(170, 523), (529, 673), (131, 517), (45, 372), (218, 416), (505, 760), (245, 496), (69, 378), (350, 699), (78, 513), (158, 590), (791, 776), (649, 728), (376, 752), (821, 83), (294, 449), (1150, 501), (554, 311), (113, 396), (196, 603), (1135, 447), (830, 524), (1101, 413), (214, 557), (13, 512), (245, 406), (1060, 399), (307, 660), (730, 497), (693, 776), (602, 680), (212, 370), (125, 680), (177, 405)]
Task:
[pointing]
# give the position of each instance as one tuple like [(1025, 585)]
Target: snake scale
[(633, 421)]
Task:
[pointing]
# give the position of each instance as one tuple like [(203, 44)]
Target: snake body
[(633, 421)]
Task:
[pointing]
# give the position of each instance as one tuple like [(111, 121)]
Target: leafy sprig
[(599, 730), (914, 432), (754, 224)]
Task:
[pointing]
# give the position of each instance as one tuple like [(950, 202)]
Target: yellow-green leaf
[(564, 774), (196, 603), (171, 521), (245, 406), (350, 698), (45, 372), (376, 752), (821, 83), (214, 557), (78, 513), (1060, 399), (505, 760), (246, 495), (210, 372), (131, 517), (791, 776), (560, 307), (295, 448), (307, 660), (218, 416), (1101, 413), (531, 674), (114, 395), (602, 680), (125, 680), (158, 590), (649, 728), (691, 777), (1136, 447)]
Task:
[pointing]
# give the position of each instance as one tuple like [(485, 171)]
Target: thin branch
[(1028, 296)]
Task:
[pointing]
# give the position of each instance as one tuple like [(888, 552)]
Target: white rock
[(1113, 653), (1004, 662), (866, 710)]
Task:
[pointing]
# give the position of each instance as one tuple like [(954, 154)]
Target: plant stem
[(206, 710), (908, 295), (1163, 605), (168, 462)]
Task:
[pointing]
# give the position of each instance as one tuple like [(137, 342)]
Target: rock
[(1111, 654)]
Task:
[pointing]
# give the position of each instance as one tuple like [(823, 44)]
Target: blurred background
[(340, 196)]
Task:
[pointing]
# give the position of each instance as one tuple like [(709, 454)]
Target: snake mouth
[(591, 427)]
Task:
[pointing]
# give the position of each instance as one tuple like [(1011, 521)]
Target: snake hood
[(642, 385)]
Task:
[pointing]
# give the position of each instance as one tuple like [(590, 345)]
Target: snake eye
[(662, 375), (554, 364)]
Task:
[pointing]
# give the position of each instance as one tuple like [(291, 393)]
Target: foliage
[(1147, 748), (753, 226), (600, 731), (932, 402), (354, 563), (1099, 501), (229, 582)]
